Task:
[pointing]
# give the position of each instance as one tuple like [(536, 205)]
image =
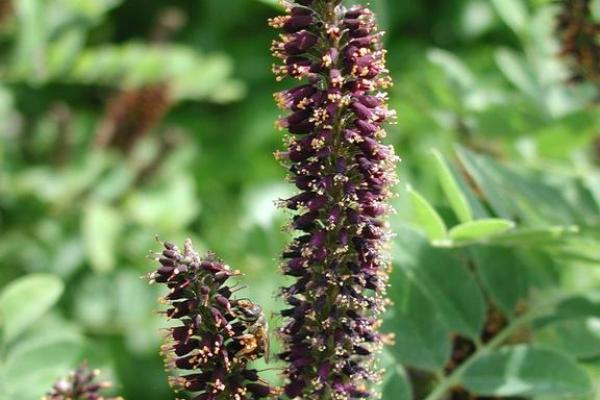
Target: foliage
[(496, 247)]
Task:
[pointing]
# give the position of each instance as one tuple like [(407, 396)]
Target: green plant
[(495, 279)]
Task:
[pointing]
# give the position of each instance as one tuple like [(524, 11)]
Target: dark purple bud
[(317, 203), (300, 199), (294, 388), (304, 182), (365, 127), (324, 371), (297, 23), (362, 111), (300, 43), (334, 215), (359, 32), (369, 101), (304, 222), (258, 391), (318, 238)]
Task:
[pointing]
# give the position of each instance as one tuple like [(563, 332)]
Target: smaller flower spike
[(80, 385), (216, 336)]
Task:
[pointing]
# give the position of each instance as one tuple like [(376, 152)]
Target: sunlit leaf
[(426, 217), (518, 72), (526, 371), (101, 226), (513, 13), (533, 236), (25, 300), (480, 229), (454, 194)]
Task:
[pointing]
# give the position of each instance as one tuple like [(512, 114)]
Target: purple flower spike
[(216, 337), (80, 384), (344, 173)]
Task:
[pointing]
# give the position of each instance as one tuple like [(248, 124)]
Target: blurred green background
[(123, 120)]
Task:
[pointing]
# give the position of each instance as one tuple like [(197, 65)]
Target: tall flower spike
[(216, 336), (580, 39), (80, 385), (344, 173)]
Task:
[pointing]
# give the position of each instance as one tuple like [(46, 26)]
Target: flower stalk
[(344, 175)]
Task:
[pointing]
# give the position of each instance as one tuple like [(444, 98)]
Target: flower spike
[(216, 336), (344, 175)]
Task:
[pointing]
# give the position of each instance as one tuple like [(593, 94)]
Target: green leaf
[(25, 300), (422, 339), (136, 64), (396, 385), (579, 337), (526, 371), (30, 52), (33, 366), (454, 68), (480, 229), (518, 72), (503, 276), (101, 227), (451, 188), (513, 13), (595, 8), (169, 209), (534, 236), (580, 305), (426, 217), (445, 281), (519, 193)]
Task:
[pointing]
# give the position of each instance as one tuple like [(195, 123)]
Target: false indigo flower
[(344, 173), (580, 38), (216, 336), (79, 385)]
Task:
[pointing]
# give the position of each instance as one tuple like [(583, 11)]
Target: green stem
[(455, 377)]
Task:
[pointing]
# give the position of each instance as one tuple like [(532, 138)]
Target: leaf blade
[(479, 229), (25, 300), (426, 217), (525, 371), (455, 196)]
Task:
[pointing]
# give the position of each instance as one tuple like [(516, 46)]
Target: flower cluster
[(580, 38), (80, 385), (216, 336), (344, 174)]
